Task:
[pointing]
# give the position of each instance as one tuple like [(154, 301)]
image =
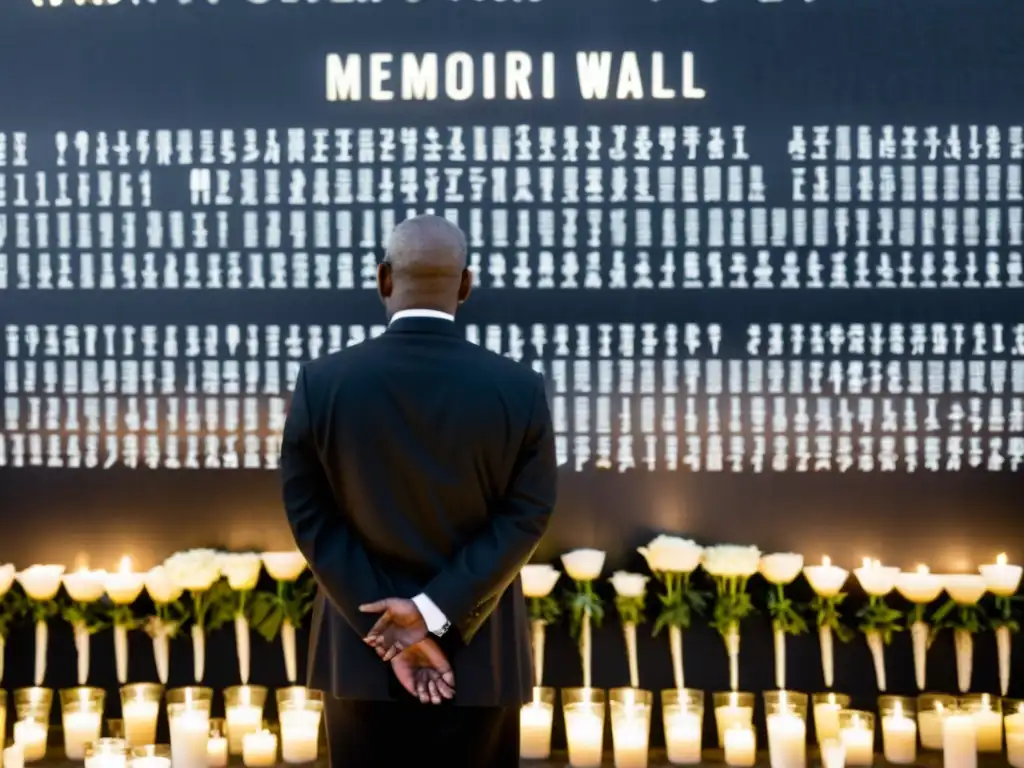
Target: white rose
[(242, 570), (195, 569), (919, 586), (964, 588), (160, 587), (781, 567), (629, 584), (731, 560), (284, 566), (7, 572), (672, 554), (876, 579), (826, 579), (41, 582), (539, 580), (583, 564), (85, 586), (1002, 579)]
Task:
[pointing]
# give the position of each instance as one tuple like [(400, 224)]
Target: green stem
[(200, 608)]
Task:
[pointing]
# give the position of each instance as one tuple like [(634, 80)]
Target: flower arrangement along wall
[(713, 585)]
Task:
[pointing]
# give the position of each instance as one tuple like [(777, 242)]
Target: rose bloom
[(731, 560), (284, 566), (539, 580), (583, 564), (195, 569), (672, 554), (7, 572), (629, 584), (242, 570), (781, 567), (160, 587)]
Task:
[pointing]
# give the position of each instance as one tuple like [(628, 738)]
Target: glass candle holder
[(300, 728), (857, 734), (786, 715), (631, 726), (899, 729), (1013, 727), (106, 753), (115, 728), (82, 718), (30, 733), (959, 736), (189, 694), (13, 756), (140, 707), (535, 720), (3, 717), (259, 748), (833, 754), (150, 756), (190, 731), (243, 707), (584, 710), (33, 702), (683, 716), (826, 708), (987, 712), (732, 708), (740, 745), (932, 709), (217, 746)]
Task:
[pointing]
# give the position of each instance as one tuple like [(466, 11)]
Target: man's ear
[(466, 285), (384, 285)]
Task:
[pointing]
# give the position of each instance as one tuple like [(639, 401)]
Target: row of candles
[(197, 740), (960, 728)]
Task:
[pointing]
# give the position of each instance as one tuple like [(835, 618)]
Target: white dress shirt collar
[(421, 313)]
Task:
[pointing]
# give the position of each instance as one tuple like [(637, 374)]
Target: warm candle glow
[(826, 561), (126, 565), (923, 569), (1001, 559)]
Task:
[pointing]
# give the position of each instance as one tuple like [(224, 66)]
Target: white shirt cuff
[(432, 615)]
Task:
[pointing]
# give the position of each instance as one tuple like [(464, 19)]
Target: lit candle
[(683, 721), (1013, 724), (740, 745), (140, 705), (535, 720), (259, 749), (731, 709), (217, 751), (877, 580), (190, 732), (826, 715), (899, 734), (631, 726), (959, 745), (30, 735), (833, 754), (80, 728), (787, 740), (857, 733), (300, 732), (124, 586), (244, 710), (14, 756), (1001, 578), (932, 709), (584, 732), (988, 724), (826, 579), (1015, 749)]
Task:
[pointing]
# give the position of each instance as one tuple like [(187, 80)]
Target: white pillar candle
[(30, 735), (929, 725), (80, 728), (535, 720), (859, 742), (630, 732), (683, 737), (14, 756), (740, 746), (1015, 749), (300, 735), (826, 721), (899, 738), (833, 754), (988, 725), (729, 715), (140, 722), (150, 761), (242, 719), (217, 752), (190, 732), (787, 741), (584, 732), (259, 750), (959, 745)]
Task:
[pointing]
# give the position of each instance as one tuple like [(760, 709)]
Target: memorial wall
[(768, 256)]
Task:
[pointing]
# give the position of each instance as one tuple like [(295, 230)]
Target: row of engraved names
[(505, 143), (715, 454), (577, 414), (540, 341), (567, 185)]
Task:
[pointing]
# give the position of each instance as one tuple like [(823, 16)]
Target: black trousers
[(375, 734)]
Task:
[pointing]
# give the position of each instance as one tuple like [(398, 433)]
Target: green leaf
[(91, 615), (878, 616), (583, 601), (785, 613), (631, 609), (266, 615), (545, 609), (827, 615), (122, 616)]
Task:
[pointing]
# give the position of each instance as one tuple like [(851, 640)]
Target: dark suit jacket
[(419, 462)]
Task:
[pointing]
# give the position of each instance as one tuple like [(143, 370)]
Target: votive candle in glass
[(631, 726), (683, 718), (32, 708), (106, 753), (13, 756), (786, 716), (988, 720), (3, 719), (740, 745), (150, 756), (1013, 726), (857, 733), (959, 739), (140, 707), (899, 729), (82, 718), (833, 754), (584, 710), (535, 721), (189, 723), (217, 745), (243, 708), (259, 749), (299, 718), (732, 708), (932, 709), (827, 706)]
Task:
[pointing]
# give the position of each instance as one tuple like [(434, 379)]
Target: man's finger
[(449, 677), (435, 694), (377, 607), (444, 689), (421, 691), (393, 651), (380, 626)]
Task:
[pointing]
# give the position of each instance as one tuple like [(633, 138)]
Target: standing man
[(418, 476)]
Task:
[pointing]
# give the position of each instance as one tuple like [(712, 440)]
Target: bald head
[(425, 266)]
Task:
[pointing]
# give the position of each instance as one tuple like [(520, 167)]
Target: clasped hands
[(400, 637)]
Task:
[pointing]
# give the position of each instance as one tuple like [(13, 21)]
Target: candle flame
[(826, 561), (734, 699), (897, 710), (922, 569), (831, 698), (82, 562), (126, 565), (939, 707), (985, 703), (1001, 559)]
